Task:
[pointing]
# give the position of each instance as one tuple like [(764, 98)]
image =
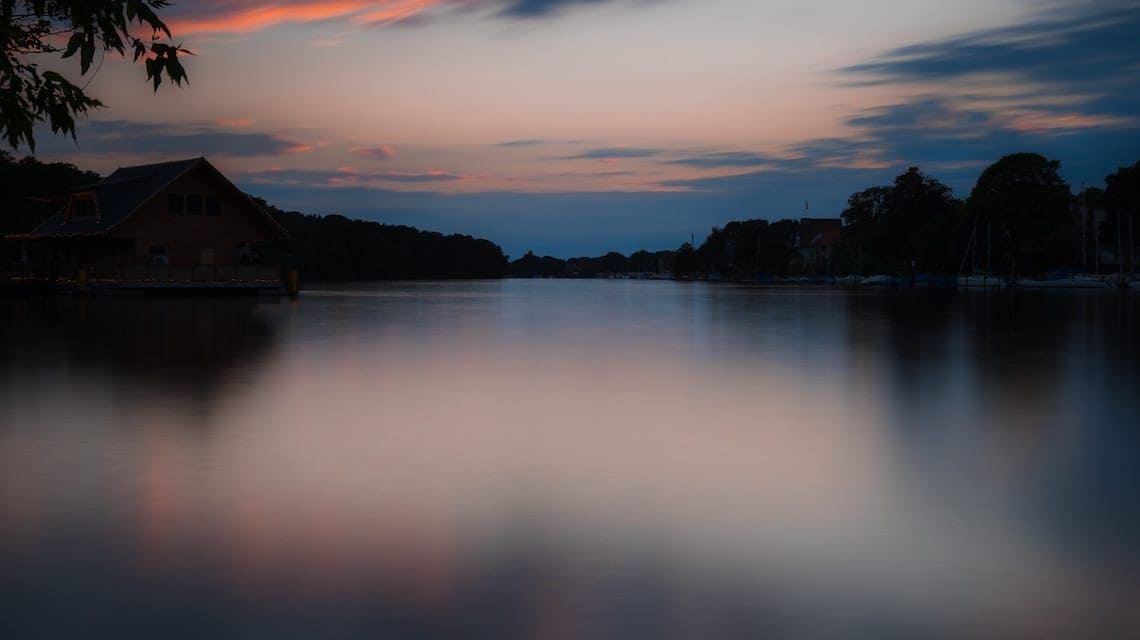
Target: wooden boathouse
[(169, 227)]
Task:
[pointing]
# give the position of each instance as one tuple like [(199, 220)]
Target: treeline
[(322, 247), (641, 262), (1020, 218), (738, 250), (26, 189), (334, 247)]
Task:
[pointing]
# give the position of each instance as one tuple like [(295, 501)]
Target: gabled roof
[(819, 232), (128, 189)]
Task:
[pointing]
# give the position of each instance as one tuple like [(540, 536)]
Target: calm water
[(571, 459)]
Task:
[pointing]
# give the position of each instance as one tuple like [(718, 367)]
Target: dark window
[(174, 204), (157, 250), (82, 207), (213, 206), (194, 204)]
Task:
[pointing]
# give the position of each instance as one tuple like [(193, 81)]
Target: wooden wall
[(188, 238)]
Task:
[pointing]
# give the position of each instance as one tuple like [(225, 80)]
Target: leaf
[(87, 52), (174, 69), (73, 44)]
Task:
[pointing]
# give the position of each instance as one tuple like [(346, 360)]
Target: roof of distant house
[(819, 232), (127, 190)]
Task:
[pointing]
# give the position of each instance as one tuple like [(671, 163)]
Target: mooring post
[(292, 283)]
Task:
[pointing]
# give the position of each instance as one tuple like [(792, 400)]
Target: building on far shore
[(180, 221), (815, 240)]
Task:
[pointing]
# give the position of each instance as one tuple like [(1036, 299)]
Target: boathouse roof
[(118, 196)]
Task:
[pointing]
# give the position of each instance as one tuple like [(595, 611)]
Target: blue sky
[(575, 127)]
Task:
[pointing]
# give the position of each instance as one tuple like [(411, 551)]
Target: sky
[(577, 127)]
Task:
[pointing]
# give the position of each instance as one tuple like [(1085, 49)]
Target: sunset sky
[(576, 127)]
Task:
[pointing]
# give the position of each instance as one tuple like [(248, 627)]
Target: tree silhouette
[(1122, 196), (1028, 203), (31, 28)]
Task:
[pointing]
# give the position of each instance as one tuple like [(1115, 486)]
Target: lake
[(572, 459)]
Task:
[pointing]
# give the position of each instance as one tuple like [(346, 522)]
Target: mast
[(971, 246), (1119, 265), (1096, 246), (756, 271), (989, 243), (1084, 230), (974, 246)]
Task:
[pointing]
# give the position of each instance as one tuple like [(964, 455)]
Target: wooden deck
[(151, 280)]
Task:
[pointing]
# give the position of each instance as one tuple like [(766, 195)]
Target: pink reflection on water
[(378, 460)]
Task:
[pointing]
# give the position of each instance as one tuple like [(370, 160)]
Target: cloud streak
[(722, 159), (376, 153), (542, 8), (249, 16), (1078, 65), (173, 141), (350, 177), (512, 144), (1066, 85), (617, 153)]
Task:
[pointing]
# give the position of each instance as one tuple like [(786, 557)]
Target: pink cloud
[(253, 15), (379, 152), (396, 11), (237, 123), (1042, 122)]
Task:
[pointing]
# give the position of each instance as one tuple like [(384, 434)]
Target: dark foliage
[(1122, 200), (30, 177), (613, 263), (322, 247), (27, 188), (687, 262), (532, 266), (914, 223), (338, 248), (1026, 201), (29, 29), (744, 249)]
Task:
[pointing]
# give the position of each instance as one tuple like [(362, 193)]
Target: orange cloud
[(237, 123), (258, 16), (299, 148), (396, 11), (1041, 122)]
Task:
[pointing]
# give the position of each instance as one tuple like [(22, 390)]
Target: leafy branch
[(31, 29)]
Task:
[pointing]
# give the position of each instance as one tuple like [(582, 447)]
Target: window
[(158, 255), (81, 205), (174, 204), (213, 206), (194, 204)]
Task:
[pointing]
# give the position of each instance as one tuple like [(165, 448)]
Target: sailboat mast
[(974, 245), (989, 242), (1084, 230)]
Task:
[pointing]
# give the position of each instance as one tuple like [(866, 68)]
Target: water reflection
[(572, 459), (132, 348)]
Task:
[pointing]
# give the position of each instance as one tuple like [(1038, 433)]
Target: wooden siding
[(189, 238)]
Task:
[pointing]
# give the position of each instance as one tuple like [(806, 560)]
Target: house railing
[(200, 273)]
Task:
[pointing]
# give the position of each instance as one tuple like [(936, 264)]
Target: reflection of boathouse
[(165, 225)]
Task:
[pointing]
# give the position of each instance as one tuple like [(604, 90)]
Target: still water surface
[(571, 459)]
